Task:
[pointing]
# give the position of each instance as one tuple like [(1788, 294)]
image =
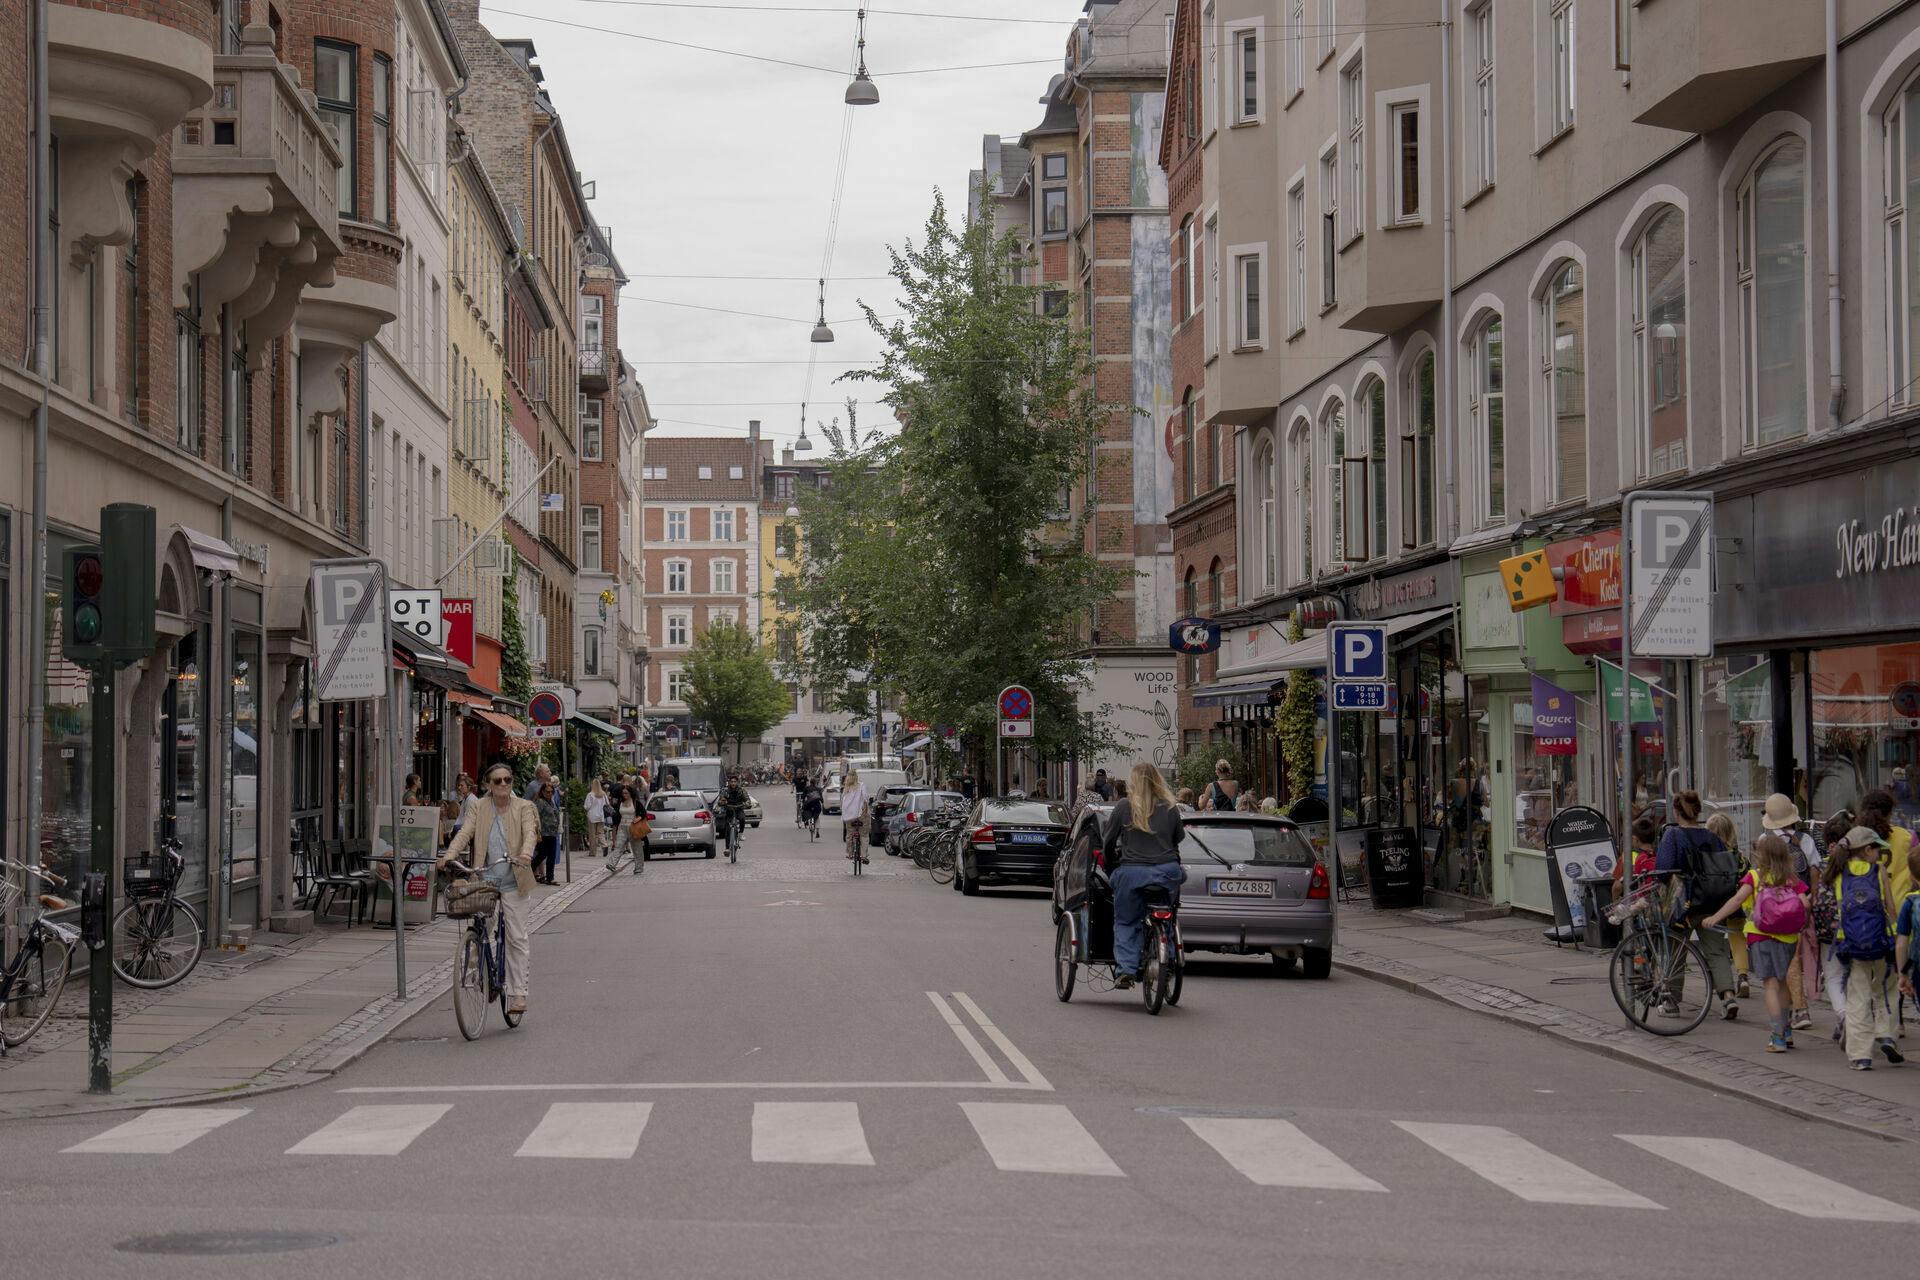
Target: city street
[(775, 1069)]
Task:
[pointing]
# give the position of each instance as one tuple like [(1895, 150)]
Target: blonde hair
[(1772, 860), (1147, 791), (1721, 825), (853, 776)]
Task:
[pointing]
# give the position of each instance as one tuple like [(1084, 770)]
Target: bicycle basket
[(1640, 902), (9, 896), (467, 898), (148, 876)]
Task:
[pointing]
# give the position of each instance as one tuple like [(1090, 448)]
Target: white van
[(698, 773)]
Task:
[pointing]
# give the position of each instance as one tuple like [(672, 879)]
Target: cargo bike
[(1083, 934)]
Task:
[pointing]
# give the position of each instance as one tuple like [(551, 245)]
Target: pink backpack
[(1778, 909)]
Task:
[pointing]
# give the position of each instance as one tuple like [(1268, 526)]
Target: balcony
[(255, 211), (596, 365), (1703, 62)]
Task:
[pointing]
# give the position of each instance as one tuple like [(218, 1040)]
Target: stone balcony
[(1707, 61), (255, 214)]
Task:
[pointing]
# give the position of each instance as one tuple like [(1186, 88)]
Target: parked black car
[(1010, 841)]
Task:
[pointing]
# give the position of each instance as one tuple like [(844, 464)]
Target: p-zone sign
[(546, 709), (1016, 703)]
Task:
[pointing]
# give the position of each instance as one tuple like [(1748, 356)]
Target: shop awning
[(598, 725), (469, 699), (210, 553), (1410, 628), (419, 652), (1237, 693), (504, 723), (452, 679), (915, 745)]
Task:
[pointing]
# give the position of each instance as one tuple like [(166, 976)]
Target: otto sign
[(418, 614)]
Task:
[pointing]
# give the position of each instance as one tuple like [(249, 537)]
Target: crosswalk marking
[(372, 1130), (1772, 1181), (159, 1132), (1274, 1153), (809, 1133), (588, 1131), (1038, 1137), (1507, 1160)]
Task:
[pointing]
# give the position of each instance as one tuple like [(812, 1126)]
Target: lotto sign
[(1669, 577), (418, 614), (1016, 703)]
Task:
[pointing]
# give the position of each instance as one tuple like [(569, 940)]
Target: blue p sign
[(1360, 653)]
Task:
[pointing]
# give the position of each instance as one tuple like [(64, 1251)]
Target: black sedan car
[(1010, 841)]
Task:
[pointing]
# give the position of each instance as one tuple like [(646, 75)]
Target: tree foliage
[(1297, 724), (939, 562), (516, 672), (731, 685)]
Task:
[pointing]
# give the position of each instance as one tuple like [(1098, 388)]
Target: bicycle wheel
[(470, 994), (40, 978), (1176, 983), (1158, 970), (940, 862), (1661, 982), (156, 942), (857, 863), (1065, 967)]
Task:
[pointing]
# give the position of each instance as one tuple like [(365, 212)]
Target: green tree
[(937, 562), (516, 672), (1297, 725), (732, 687)]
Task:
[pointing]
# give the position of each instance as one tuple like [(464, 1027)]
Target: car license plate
[(1030, 837), (1240, 888)]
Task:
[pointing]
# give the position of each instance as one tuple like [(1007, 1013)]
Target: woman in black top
[(1142, 849)]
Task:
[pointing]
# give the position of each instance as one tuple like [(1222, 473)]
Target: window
[(722, 617), (1353, 195), (1563, 371), (334, 78), (1900, 167), (591, 444), (382, 137), (676, 526), (1183, 272), (1266, 532), (1657, 329), (1216, 587), (590, 651), (592, 327), (1210, 98), (1417, 456), (1623, 34), (1194, 283), (1371, 416), (723, 524), (233, 18), (1053, 195), (1297, 256), (589, 539), (706, 473), (677, 575), (1210, 288), (1250, 309), (1296, 41), (1329, 24), (784, 541), (676, 686), (1770, 258), (1216, 455), (736, 473), (1329, 226), (787, 645), (720, 577), (1189, 448), (1190, 603), (1556, 77), (1487, 417), (1249, 100), (783, 486), (1333, 454), (679, 629), (189, 374), (1403, 120), (1479, 104), (1300, 498)]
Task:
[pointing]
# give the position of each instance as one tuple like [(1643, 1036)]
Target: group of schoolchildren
[(1808, 909)]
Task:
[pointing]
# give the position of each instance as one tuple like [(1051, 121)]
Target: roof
[(683, 456), (1060, 117)]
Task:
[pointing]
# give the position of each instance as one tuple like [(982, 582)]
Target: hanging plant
[(1297, 724)]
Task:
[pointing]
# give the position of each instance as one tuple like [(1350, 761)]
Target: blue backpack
[(1864, 933)]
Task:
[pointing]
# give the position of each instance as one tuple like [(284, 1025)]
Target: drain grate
[(229, 1243)]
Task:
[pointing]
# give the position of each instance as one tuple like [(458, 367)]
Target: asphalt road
[(772, 1069)]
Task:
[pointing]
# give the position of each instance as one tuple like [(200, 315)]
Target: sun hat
[(1864, 837), (1780, 813)]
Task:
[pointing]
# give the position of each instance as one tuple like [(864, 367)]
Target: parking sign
[(1669, 575), (1357, 665)]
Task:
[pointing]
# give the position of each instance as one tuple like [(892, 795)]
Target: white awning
[(1310, 654), (210, 553)]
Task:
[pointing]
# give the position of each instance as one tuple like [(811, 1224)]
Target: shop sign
[(1589, 569), (1486, 620), (1591, 632), (456, 618), (1641, 708), (1553, 719), (1867, 548), (1429, 588)]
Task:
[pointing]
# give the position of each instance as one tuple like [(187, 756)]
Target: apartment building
[(812, 731), (701, 526)]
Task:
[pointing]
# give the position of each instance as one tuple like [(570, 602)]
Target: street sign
[(866, 733), (545, 732), (1670, 575), (568, 704), (1359, 697), (546, 710), (1357, 651), (1016, 728), (1194, 636), (1016, 703), (629, 735), (418, 614), (351, 653)]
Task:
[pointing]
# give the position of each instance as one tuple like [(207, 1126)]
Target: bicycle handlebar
[(42, 872)]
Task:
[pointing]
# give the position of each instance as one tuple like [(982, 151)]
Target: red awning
[(504, 723), (468, 699)]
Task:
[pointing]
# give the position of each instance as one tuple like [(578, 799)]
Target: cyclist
[(853, 815), (732, 806), (1142, 849), (799, 795), (503, 830), (812, 803)]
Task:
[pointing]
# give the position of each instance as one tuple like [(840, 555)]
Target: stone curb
[(1708, 1068), (349, 1039)]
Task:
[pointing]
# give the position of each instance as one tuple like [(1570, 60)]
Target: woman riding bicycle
[(503, 830), (853, 815), (1142, 851)]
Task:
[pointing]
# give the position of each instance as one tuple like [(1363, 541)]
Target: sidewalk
[(287, 1011), (1505, 968)]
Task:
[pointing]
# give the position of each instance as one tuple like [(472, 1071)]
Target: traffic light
[(83, 618)]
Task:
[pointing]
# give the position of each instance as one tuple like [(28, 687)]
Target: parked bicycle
[(157, 937), (32, 979), (480, 968), (1658, 974), (934, 845)]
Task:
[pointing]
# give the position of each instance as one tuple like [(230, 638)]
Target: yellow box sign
[(1528, 580)]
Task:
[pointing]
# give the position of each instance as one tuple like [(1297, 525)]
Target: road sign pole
[(1620, 742), (1333, 817), (393, 847), (100, 960)]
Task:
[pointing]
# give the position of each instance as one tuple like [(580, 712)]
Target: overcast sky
[(709, 165)]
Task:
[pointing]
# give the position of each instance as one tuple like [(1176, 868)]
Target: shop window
[(243, 755), (1737, 734), (1861, 741)]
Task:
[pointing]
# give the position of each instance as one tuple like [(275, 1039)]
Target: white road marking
[(159, 1132), (967, 1039), (1274, 1153), (588, 1131), (1507, 1160), (1772, 1181), (1018, 1059), (1038, 1137), (372, 1131), (679, 1086), (809, 1133)]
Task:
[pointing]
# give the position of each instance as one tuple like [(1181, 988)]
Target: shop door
[(183, 760)]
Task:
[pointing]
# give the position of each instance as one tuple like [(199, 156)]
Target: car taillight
[(912, 818), (703, 816), (982, 835), (1317, 886)]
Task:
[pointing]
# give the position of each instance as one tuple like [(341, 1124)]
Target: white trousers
[(1869, 1006), (519, 910)]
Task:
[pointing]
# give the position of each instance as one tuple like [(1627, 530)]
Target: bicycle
[(480, 970), (734, 822), (1651, 965), (157, 936), (39, 968), (1162, 971)]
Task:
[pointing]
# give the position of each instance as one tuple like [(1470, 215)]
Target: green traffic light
[(86, 623)]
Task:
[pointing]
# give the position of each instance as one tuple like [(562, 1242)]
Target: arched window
[(1265, 538), (1487, 417), (1333, 455), (1300, 499), (1563, 374), (1188, 450), (1770, 266), (1216, 587), (1657, 331), (1900, 163), (1367, 483), (1417, 455)]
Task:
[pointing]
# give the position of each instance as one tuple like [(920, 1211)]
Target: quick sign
[(418, 614), (1670, 579)]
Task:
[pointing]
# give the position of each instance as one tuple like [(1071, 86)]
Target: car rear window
[(1026, 811), (677, 804), (1259, 844)]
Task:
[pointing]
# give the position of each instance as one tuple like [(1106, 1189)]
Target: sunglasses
[(505, 779)]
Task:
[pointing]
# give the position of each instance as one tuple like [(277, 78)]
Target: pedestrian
[(1772, 927), (853, 815), (415, 792), (621, 815), (1222, 794), (1101, 785), (1721, 825), (1185, 800), (1876, 811), (969, 789), (1704, 871), (465, 801), (1906, 933), (597, 817), (1119, 789), (1040, 787), (1864, 940), (541, 774), (1826, 920), (503, 832), (1142, 849), (1782, 817), (549, 833)]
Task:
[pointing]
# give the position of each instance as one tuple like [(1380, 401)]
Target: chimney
[(786, 457)]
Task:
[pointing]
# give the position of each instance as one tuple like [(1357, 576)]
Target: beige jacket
[(523, 829)]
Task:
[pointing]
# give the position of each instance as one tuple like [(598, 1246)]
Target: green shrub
[(1195, 769)]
